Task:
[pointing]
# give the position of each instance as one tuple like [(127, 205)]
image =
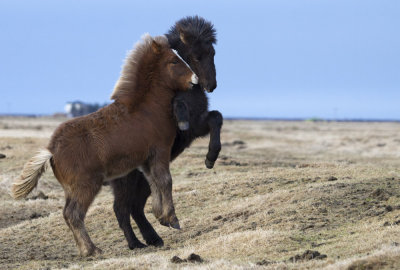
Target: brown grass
[(267, 200)]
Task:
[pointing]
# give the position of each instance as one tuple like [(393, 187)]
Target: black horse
[(193, 38)]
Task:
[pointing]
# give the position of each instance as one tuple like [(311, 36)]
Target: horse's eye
[(197, 58), (174, 62)]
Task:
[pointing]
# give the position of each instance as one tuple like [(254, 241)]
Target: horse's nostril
[(210, 87)]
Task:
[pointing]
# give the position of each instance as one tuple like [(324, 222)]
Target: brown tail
[(30, 175)]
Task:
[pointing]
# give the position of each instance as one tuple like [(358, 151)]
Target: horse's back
[(77, 144), (111, 141)]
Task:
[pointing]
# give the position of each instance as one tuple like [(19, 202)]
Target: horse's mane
[(194, 26), (127, 86)]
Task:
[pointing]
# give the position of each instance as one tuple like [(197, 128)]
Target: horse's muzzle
[(209, 87), (194, 79)]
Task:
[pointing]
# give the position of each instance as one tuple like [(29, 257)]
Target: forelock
[(199, 28)]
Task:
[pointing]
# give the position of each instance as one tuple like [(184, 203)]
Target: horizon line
[(251, 118)]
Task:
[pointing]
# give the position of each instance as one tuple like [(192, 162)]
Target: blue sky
[(275, 58)]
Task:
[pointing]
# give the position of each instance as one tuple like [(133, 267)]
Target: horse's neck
[(160, 99)]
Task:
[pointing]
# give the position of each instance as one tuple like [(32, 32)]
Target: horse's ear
[(184, 36), (156, 47)]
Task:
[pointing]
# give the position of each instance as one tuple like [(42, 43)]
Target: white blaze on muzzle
[(195, 79)]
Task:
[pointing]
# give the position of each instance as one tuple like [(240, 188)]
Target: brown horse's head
[(174, 72), (152, 63)]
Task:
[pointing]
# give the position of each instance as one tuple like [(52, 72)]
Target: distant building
[(79, 108)]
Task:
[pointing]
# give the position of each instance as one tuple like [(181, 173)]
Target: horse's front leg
[(215, 121), (212, 123), (160, 181)]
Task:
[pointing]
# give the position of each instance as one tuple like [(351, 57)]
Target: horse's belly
[(121, 165)]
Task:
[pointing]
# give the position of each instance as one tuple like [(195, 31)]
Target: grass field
[(278, 190)]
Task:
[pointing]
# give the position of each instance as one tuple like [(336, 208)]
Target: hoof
[(209, 164), (164, 223), (97, 251), (91, 252), (183, 125), (157, 242), (174, 224), (137, 244)]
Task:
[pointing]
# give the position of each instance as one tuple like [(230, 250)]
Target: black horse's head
[(193, 38)]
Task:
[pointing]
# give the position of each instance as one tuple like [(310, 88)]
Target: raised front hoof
[(135, 245), (93, 251), (209, 164), (157, 242), (183, 125), (173, 224)]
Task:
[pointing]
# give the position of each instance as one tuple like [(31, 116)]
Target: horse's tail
[(30, 175)]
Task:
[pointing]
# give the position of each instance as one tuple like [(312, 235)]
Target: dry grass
[(268, 199)]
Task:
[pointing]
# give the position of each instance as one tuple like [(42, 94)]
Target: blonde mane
[(127, 82)]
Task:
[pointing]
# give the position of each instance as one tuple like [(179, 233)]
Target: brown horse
[(136, 131)]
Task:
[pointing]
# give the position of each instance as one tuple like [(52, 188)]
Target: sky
[(274, 58)]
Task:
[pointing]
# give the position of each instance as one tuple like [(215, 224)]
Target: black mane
[(195, 26)]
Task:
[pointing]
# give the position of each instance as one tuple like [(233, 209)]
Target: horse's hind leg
[(67, 202), (123, 216), (140, 194), (74, 213), (124, 198)]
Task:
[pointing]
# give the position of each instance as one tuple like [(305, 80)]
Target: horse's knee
[(215, 118), (157, 205), (67, 201), (162, 176), (181, 113), (67, 212), (74, 215)]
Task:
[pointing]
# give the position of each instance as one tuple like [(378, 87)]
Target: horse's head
[(193, 38), (174, 71), (152, 63)]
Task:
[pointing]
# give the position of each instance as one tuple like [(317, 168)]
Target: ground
[(283, 195)]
